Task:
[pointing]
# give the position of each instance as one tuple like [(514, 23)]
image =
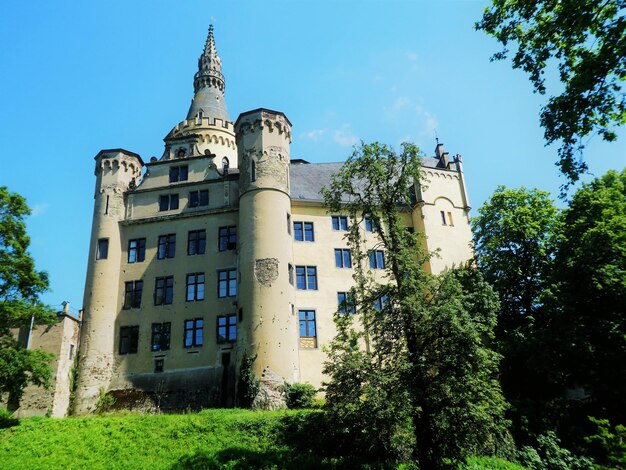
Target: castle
[(223, 247)]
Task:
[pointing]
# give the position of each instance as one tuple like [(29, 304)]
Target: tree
[(587, 324), (20, 287), (586, 40), (513, 237), (411, 376)]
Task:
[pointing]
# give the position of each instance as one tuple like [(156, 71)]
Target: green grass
[(231, 439)]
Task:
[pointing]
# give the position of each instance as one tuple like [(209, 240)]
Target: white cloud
[(38, 209), (431, 123), (315, 134), (412, 56), (400, 103), (345, 138)]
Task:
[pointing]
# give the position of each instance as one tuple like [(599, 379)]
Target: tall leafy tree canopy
[(20, 287), (412, 374), (586, 41)]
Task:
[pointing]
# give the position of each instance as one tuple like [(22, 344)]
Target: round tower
[(116, 170), (267, 297)]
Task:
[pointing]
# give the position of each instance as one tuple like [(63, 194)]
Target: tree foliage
[(411, 375), (586, 41), (20, 286)]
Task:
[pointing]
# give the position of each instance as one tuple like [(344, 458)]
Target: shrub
[(299, 395)]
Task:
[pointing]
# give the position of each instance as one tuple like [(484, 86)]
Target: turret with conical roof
[(209, 84)]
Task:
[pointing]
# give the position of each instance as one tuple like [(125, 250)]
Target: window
[(343, 259), (290, 269), (179, 173), (193, 332), (345, 302), (161, 333), (227, 283), (168, 202), (129, 339), (196, 242), (132, 294), (103, 249), (252, 171), (167, 246), (226, 328), (164, 290), (308, 331), (158, 365), (136, 250), (377, 259), (195, 287), (443, 218), (227, 238), (372, 224), (199, 198), (340, 222), (450, 221), (289, 223), (306, 277), (381, 302), (225, 165), (303, 231)]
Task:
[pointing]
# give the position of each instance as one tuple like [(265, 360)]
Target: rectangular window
[(252, 171), (168, 202), (164, 290), (377, 259), (443, 218), (136, 250), (196, 242), (199, 198), (178, 173), (340, 222), (308, 330), (227, 283), (129, 339), (303, 231), (343, 259), (193, 332), (306, 277), (226, 328), (381, 302), (290, 269), (132, 294), (372, 224), (450, 221), (227, 238), (345, 302), (158, 365), (102, 251), (195, 287), (167, 246), (289, 224), (161, 333)]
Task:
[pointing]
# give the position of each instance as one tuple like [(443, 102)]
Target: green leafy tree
[(587, 323), (20, 286), (411, 375), (586, 41)]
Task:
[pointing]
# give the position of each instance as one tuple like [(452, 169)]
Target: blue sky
[(77, 77)]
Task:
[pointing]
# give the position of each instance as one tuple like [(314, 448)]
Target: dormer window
[(180, 153)]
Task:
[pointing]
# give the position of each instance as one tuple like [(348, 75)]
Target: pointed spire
[(209, 84)]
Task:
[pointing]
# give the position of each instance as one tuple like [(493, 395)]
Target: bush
[(549, 455), (7, 420), (299, 395)]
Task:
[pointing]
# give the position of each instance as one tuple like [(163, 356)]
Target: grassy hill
[(233, 439)]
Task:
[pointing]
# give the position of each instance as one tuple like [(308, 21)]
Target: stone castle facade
[(223, 247)]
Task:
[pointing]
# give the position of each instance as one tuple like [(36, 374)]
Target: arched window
[(180, 153), (225, 165)]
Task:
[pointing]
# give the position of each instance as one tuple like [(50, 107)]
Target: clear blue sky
[(77, 77)]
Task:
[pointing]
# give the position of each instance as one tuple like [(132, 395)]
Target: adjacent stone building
[(223, 247)]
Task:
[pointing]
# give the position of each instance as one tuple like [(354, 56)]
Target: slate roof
[(307, 179)]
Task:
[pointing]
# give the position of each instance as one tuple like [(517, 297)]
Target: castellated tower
[(116, 171), (265, 251)]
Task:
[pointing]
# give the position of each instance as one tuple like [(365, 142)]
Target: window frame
[(229, 328), (179, 170), (309, 275), (197, 239), (132, 296), (161, 340), (343, 258), (168, 202), (229, 283), (198, 198), (131, 334), (102, 248), (138, 251), (169, 246), (227, 238), (346, 303), (339, 223), (167, 289), (377, 259), (303, 231), (197, 284), (308, 319), (197, 326)]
